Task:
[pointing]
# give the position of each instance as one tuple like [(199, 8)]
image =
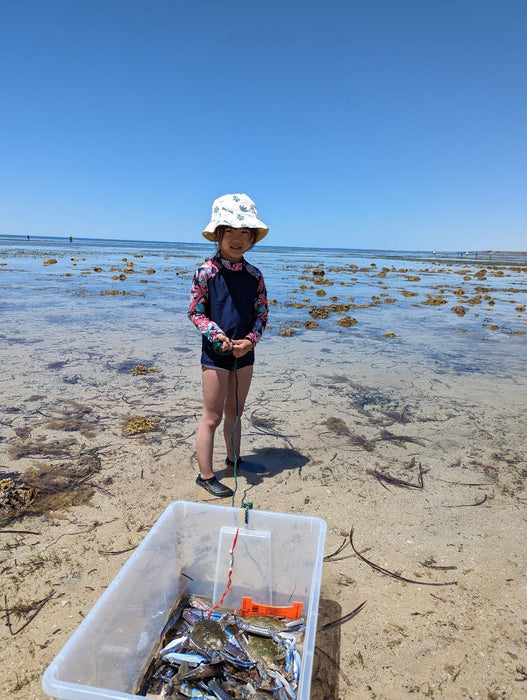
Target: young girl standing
[(228, 304)]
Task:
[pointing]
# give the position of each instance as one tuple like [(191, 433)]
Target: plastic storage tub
[(277, 560)]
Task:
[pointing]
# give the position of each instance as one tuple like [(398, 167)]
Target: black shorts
[(210, 358)]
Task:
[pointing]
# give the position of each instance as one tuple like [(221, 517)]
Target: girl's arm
[(261, 312), (199, 296)]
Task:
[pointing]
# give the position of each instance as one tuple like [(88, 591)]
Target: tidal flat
[(388, 398)]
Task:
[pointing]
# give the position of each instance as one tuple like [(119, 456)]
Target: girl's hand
[(226, 344), (241, 347)]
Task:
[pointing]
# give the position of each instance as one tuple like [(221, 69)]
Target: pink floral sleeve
[(199, 295)]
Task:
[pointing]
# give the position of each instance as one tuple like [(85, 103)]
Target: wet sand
[(334, 419)]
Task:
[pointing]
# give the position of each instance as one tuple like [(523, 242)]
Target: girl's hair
[(220, 232)]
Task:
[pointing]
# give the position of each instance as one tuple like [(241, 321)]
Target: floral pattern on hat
[(234, 210)]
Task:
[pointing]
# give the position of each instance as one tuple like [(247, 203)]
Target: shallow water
[(81, 294)]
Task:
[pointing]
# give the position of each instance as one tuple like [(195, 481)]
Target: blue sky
[(390, 124)]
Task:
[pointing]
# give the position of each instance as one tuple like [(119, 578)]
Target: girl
[(228, 304)]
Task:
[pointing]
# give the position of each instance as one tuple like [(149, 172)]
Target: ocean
[(459, 311)]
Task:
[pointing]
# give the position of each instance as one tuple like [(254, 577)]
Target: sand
[(331, 428)]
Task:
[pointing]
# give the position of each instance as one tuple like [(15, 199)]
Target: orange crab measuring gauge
[(293, 612)]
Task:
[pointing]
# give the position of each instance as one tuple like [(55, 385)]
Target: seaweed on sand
[(72, 417), (266, 425), (328, 557), (15, 497), (391, 573), (400, 440), (384, 478), (140, 424), (49, 487), (465, 505), (140, 370), (39, 447), (344, 618), (31, 610), (338, 427), (372, 403)]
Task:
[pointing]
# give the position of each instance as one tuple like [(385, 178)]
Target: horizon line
[(71, 238)]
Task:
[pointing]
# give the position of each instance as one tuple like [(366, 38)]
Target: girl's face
[(234, 243)]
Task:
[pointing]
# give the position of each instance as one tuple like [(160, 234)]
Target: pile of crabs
[(207, 654)]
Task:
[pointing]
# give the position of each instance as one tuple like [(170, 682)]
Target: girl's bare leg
[(215, 385), (245, 375)]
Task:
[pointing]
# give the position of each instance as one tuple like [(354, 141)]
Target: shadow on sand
[(326, 662), (268, 462)]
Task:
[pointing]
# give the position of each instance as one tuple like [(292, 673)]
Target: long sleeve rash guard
[(230, 299)]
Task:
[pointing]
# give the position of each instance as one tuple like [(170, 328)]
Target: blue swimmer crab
[(221, 655)]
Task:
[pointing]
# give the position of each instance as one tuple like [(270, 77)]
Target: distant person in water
[(228, 304)]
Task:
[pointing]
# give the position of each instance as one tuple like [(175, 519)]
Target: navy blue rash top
[(231, 295), (230, 299)]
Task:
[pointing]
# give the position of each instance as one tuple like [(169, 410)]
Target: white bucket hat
[(236, 211)]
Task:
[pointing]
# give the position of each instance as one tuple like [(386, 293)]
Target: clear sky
[(390, 124)]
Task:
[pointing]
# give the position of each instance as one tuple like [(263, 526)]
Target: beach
[(388, 399)]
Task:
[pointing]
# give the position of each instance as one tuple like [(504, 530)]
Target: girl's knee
[(211, 420)]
